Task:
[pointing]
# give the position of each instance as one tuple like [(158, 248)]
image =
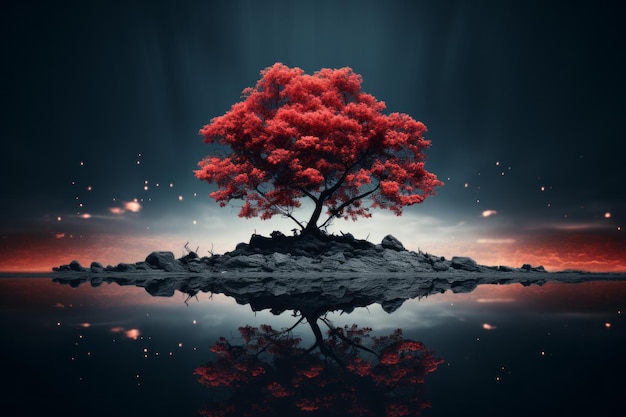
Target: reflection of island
[(316, 291), (345, 372), (348, 372)]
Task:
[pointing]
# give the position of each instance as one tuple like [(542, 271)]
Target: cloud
[(495, 241)]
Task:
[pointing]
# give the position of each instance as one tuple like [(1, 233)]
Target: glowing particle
[(89, 188), (488, 213), (607, 215), (497, 163), (195, 222), (543, 188), (466, 185), (145, 188), (180, 344), (607, 324), (133, 206), (82, 163), (171, 185), (543, 353), (85, 216), (180, 198), (58, 218), (488, 326)]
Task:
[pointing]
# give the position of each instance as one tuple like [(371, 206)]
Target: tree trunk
[(311, 226)]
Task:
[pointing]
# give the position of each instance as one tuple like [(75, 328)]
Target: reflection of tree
[(347, 373)]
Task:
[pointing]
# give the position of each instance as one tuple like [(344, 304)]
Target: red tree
[(316, 136)]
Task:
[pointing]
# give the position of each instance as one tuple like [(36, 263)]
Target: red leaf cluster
[(318, 136), (270, 374)]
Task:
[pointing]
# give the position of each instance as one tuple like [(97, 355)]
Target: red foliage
[(318, 136), (270, 374)]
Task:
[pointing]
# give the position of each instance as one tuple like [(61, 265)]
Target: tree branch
[(336, 331), (308, 194), (329, 191), (335, 212), (282, 211)]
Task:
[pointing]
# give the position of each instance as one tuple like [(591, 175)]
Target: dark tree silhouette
[(318, 137), (347, 373)]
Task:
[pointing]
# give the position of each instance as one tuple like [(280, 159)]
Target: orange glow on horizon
[(557, 252), (24, 254)]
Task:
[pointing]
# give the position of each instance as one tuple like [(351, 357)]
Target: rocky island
[(309, 254), (311, 275)]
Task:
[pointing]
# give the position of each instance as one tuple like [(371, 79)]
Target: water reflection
[(509, 349), (348, 372), (345, 371)]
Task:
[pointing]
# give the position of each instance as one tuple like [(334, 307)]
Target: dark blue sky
[(524, 102)]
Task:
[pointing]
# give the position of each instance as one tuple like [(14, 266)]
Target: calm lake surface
[(504, 350)]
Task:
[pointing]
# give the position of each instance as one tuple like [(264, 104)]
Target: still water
[(556, 349)]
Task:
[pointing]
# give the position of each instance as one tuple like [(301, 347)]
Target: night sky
[(524, 103)]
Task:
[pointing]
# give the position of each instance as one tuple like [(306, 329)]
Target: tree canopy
[(296, 136)]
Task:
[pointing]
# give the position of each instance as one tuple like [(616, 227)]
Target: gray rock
[(96, 267), (390, 242), (464, 263), (280, 259), (441, 266), (528, 267), (124, 267), (76, 266), (194, 267), (337, 256), (162, 260), (256, 261)]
